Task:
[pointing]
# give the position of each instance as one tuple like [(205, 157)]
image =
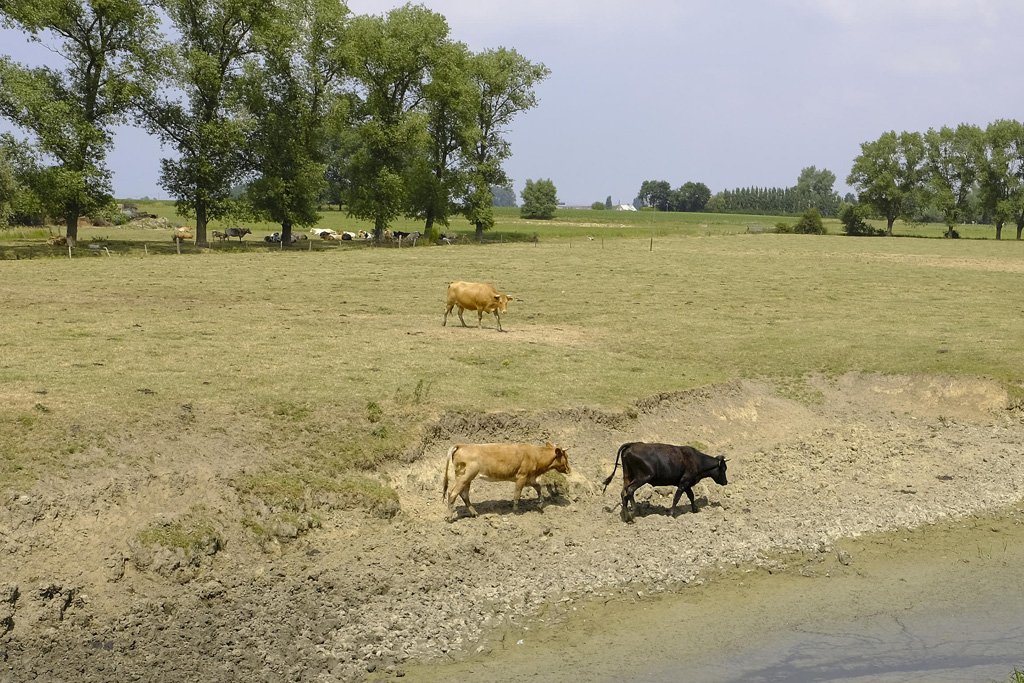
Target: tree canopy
[(268, 108), (70, 111)]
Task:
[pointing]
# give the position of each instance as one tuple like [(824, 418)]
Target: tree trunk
[(479, 231), (1020, 227), (201, 226), (378, 230), (428, 227), (286, 234), (71, 226), (999, 230), (888, 228)]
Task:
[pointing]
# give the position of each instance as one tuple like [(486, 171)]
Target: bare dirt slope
[(811, 461)]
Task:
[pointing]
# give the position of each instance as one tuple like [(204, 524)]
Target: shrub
[(852, 218), (598, 206), (810, 223), (783, 227)]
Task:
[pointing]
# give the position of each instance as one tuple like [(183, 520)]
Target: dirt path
[(811, 462)]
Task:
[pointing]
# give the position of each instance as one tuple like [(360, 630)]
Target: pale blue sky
[(728, 93)]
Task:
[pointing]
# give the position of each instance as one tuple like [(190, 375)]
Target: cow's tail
[(449, 460), (618, 455)]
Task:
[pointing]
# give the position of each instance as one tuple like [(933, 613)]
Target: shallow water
[(982, 642), (942, 603)]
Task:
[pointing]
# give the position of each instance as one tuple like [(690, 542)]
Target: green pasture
[(318, 366), (568, 224)]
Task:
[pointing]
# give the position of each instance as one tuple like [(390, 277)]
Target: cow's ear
[(547, 444), (497, 297), (508, 298), (561, 452)]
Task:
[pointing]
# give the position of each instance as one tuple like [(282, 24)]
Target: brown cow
[(475, 296), (518, 462)]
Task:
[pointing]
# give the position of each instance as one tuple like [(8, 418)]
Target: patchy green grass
[(193, 533)]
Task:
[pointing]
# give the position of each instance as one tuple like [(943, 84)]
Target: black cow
[(238, 232), (662, 464)]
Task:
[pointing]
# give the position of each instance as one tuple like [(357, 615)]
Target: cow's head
[(501, 300), (718, 474), (561, 461)]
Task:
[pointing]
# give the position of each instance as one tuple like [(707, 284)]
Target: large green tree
[(390, 58), (814, 190), (889, 175), (690, 197), (952, 169), (197, 112), (505, 82), (290, 96), (70, 111), (1001, 172), (656, 194), (449, 102)]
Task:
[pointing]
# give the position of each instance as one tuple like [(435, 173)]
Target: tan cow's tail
[(618, 455), (450, 460)]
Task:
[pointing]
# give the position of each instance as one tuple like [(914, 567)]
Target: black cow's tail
[(618, 455)]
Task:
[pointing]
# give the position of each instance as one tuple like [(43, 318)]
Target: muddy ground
[(811, 462)]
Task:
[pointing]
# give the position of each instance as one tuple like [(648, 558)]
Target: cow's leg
[(446, 312), (498, 316), (629, 503), (461, 319), (520, 483), (480, 318), (540, 496), (675, 500), (456, 490), (689, 494), (469, 506), (463, 478), (627, 495)]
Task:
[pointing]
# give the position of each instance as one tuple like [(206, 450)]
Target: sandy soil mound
[(811, 461)]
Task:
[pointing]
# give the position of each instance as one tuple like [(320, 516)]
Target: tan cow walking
[(475, 296), (518, 462)]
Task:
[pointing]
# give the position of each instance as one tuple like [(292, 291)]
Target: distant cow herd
[(185, 234)]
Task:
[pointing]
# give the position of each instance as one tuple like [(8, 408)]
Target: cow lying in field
[(182, 234), (662, 464), (475, 296), (518, 462)]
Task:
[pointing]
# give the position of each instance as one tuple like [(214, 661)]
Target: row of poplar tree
[(297, 100), (812, 190), (962, 173)]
